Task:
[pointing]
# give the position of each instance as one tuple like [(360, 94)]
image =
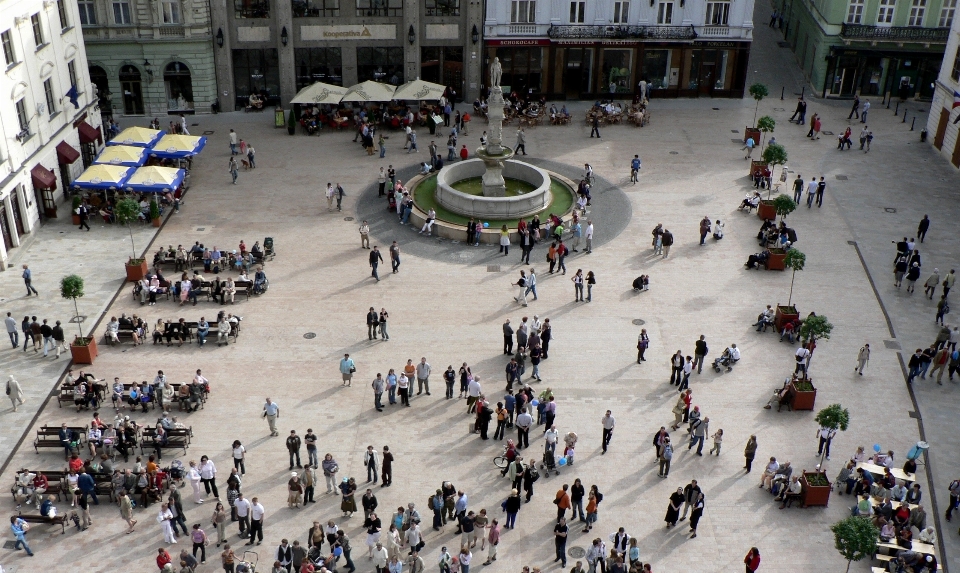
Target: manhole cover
[(77, 319), (852, 243), (734, 131), (493, 268), (310, 335), (715, 109), (890, 209), (737, 140), (201, 228), (674, 153), (779, 109), (891, 344), (841, 177), (194, 124), (575, 552), (348, 218), (827, 132), (639, 321), (207, 133), (9, 544)]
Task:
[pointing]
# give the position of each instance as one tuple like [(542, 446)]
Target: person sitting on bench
[(757, 260), (750, 202), (765, 319), (790, 492)]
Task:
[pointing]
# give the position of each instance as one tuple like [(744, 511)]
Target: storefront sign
[(718, 44), (349, 32), (531, 42)]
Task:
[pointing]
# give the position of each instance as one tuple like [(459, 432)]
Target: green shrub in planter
[(71, 287), (154, 209)]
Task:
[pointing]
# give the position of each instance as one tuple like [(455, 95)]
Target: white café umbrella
[(318, 93), (369, 91), (419, 90)]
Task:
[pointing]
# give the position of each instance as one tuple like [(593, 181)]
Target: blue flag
[(72, 95)]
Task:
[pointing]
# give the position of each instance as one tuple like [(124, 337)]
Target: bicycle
[(501, 461)]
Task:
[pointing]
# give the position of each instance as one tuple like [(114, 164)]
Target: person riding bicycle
[(510, 454)]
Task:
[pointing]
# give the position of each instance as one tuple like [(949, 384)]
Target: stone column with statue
[(494, 154)]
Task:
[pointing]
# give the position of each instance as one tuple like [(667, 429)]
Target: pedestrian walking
[(27, 280), (165, 519), (821, 186), (700, 431), (752, 560), (855, 111), (673, 508), (691, 493), (271, 411), (748, 146), (704, 229), (375, 259), (588, 236), (666, 241), (14, 392), (395, 257), (929, 287), (11, 324), (521, 142), (251, 152), (126, 511), (695, 515), (635, 169), (365, 232), (347, 369), (233, 169), (560, 541), (608, 422), (826, 436), (256, 521), (750, 452), (700, 353), (798, 186), (922, 227), (866, 108), (83, 212), (595, 126), (666, 454), (233, 142), (717, 441), (58, 339), (687, 370), (293, 448)]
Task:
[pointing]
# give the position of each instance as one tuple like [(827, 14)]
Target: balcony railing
[(252, 8), (895, 33), (171, 32), (624, 32)]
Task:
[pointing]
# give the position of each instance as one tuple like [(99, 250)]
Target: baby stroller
[(268, 250), (725, 360), (549, 463), (248, 563), (260, 283), (392, 202), (176, 473)]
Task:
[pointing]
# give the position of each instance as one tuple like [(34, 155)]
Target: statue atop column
[(496, 70)]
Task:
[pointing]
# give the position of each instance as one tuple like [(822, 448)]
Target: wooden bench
[(242, 288), (176, 438), (55, 480), (214, 331), (49, 436), (65, 395), (60, 520), (124, 333)]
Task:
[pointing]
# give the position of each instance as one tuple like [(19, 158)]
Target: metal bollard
[(913, 122), (897, 110), (904, 115), (803, 90), (781, 92)]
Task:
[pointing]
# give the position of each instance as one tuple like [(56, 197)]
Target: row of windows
[(331, 8), (6, 38), (122, 15), (524, 11), (918, 9), (49, 96)]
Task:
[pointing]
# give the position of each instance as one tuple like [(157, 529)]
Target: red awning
[(88, 133), (66, 154), (43, 178)]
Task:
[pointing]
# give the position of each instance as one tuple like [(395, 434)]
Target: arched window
[(132, 91), (179, 87)]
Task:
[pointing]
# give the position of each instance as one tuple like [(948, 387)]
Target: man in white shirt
[(256, 522), (242, 505), (271, 411), (608, 423), (826, 436), (524, 421), (551, 436), (233, 142), (423, 377), (589, 237), (801, 356), (473, 392)]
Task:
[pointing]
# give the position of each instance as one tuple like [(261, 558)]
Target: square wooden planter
[(777, 260), (766, 210), (83, 354), (803, 399), (753, 132), (783, 315), (814, 495), (756, 167), (136, 271)]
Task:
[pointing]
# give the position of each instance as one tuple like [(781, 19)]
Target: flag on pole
[(73, 96)]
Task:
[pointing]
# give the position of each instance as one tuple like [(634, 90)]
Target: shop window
[(315, 8), (656, 64), (178, 86), (88, 14), (252, 8), (380, 65), (621, 12), (855, 12), (442, 65), (379, 7), (665, 13), (171, 11), (443, 7), (132, 88), (318, 65), (885, 14), (523, 11), (98, 77), (8, 53), (917, 9), (121, 12), (718, 13), (577, 10), (256, 71), (522, 69), (946, 13), (37, 30)]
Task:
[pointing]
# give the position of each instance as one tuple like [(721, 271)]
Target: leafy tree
[(765, 124), (72, 287), (127, 211), (758, 91), (835, 417), (815, 327), (795, 261), (154, 209), (784, 205), (855, 538), (774, 154)]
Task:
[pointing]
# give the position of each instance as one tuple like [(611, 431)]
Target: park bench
[(49, 437), (54, 482), (60, 520), (176, 439)]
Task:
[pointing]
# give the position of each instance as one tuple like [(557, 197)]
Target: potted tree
[(815, 489), (154, 213), (83, 349), (291, 124), (834, 417), (794, 261), (127, 211), (814, 328), (765, 125), (758, 91), (804, 394), (77, 201), (855, 538), (774, 154), (784, 205)]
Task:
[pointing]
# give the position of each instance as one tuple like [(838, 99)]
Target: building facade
[(583, 49), (944, 119), (49, 114), (869, 47), (150, 58), (277, 47)]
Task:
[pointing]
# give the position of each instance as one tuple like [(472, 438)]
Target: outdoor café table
[(878, 470)]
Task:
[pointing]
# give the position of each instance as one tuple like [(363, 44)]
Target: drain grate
[(77, 319), (674, 153), (734, 131), (201, 228), (715, 108), (348, 218), (913, 414), (639, 321), (891, 344), (493, 268), (841, 177), (310, 335), (827, 132), (208, 132), (890, 209), (9, 544), (737, 141)]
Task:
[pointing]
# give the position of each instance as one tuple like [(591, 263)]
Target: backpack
[(534, 474), (668, 452), (946, 307)]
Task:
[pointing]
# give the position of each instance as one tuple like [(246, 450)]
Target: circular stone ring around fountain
[(493, 204)]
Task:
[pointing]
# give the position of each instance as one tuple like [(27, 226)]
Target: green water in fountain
[(474, 186)]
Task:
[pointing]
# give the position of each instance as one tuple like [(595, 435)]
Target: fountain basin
[(518, 206)]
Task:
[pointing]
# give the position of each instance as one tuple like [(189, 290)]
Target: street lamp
[(220, 37), (475, 34), (284, 37), (411, 35)]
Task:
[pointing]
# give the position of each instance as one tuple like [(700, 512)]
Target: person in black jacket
[(486, 414), (375, 259), (915, 364), (372, 321)]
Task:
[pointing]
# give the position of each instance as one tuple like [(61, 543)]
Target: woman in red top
[(752, 560), (162, 558)]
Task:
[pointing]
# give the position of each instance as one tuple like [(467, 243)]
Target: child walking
[(717, 440)]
